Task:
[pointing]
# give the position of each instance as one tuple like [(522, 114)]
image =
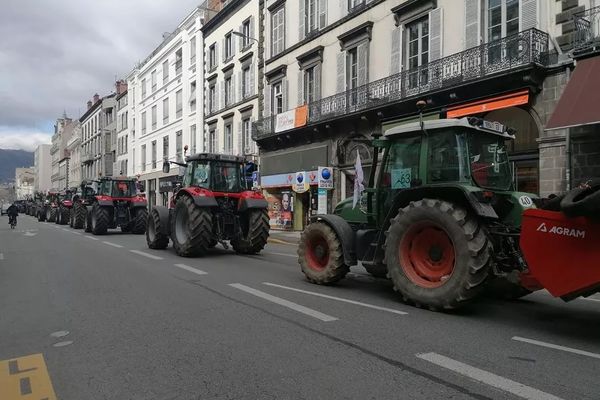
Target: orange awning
[(579, 103), (491, 104)]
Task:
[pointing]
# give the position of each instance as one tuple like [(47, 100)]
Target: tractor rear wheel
[(191, 228), (41, 215), (88, 220), (320, 254), (255, 231), (64, 215), (140, 219), (155, 237), (100, 220), (51, 216), (79, 217), (437, 255)]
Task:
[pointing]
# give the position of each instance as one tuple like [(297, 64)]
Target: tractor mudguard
[(253, 203), (138, 204), (343, 231), (205, 201), (164, 215)]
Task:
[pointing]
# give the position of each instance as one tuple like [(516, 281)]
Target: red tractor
[(82, 198), (215, 204), (65, 204), (49, 208), (116, 204)]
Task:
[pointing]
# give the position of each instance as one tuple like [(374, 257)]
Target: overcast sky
[(55, 54)]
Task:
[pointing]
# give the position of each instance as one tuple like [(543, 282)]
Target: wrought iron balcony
[(587, 29), (513, 52)]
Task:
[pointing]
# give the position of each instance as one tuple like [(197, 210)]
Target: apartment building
[(166, 106), (63, 131), (121, 166), (74, 151), (337, 72), (232, 55), (42, 167), (24, 183)]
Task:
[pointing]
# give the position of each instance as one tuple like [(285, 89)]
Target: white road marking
[(29, 234), (118, 246), (91, 237), (358, 303), (556, 347), (76, 233), (141, 253), (282, 254), (191, 269), (499, 382), (285, 303), (66, 230), (1, 256)]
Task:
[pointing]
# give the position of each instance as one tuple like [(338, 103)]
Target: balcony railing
[(587, 28), (512, 52)]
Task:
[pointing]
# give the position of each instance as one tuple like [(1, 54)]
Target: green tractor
[(440, 217)]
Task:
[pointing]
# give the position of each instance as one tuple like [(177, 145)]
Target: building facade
[(24, 183), (166, 107), (121, 166), (74, 151), (42, 166), (337, 72), (63, 130), (232, 55)]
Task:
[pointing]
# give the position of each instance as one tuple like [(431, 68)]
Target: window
[(178, 104), (352, 68), (228, 51), (352, 4), (143, 157), (246, 82), (165, 111), (144, 88), (193, 139), (311, 14), (228, 139), (153, 80), (228, 91), (417, 52), (193, 96), (247, 136), (277, 96), (212, 56), (144, 121), (154, 154), (193, 50), (502, 21), (401, 169), (165, 71), (154, 117), (212, 97), (212, 140), (247, 34), (447, 157), (165, 148), (179, 146), (310, 91), (277, 31), (178, 62)]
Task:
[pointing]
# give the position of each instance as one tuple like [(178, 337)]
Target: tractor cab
[(117, 187)]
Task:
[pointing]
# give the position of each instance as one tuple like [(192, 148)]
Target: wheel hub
[(317, 253)]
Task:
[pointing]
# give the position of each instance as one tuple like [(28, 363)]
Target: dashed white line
[(499, 382), (358, 303), (142, 253), (282, 254), (556, 347), (91, 237), (118, 246), (76, 233), (285, 303), (1, 256), (191, 269)]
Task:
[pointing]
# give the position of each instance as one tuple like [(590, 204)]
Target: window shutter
[(396, 51), (216, 53), (318, 82), (284, 93), (529, 14), (268, 94), (241, 38), (300, 87), (252, 79), (252, 145), (252, 27), (234, 89), (343, 8), (223, 55), (240, 141), (302, 21), (435, 34), (219, 96), (363, 63), (240, 82), (322, 14), (341, 72), (472, 26), (233, 45)]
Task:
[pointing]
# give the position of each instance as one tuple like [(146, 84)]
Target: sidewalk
[(284, 237)]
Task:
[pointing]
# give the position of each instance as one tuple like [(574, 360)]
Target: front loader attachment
[(563, 253)]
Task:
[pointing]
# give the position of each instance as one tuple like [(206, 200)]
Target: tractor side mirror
[(166, 167)]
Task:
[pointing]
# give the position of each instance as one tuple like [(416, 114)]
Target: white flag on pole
[(358, 181)]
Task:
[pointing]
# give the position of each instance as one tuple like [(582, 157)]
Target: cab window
[(402, 164), (447, 157)]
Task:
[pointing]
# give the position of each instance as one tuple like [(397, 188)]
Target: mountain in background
[(11, 159)]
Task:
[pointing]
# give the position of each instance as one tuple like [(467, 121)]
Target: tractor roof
[(215, 157), (117, 178), (470, 123)]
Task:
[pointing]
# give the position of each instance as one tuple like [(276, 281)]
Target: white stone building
[(24, 183), (166, 106), (63, 130), (232, 55), (74, 151), (121, 166), (42, 166)]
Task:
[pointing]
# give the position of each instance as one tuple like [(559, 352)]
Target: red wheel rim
[(317, 253), (427, 255)]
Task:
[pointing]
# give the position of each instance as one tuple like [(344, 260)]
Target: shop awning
[(579, 103), (495, 103)]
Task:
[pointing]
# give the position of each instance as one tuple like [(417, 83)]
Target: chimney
[(89, 104), (96, 98), (121, 86)]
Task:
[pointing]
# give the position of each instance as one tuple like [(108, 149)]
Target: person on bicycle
[(12, 212)]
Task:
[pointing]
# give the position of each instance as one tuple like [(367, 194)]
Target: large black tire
[(41, 215), (139, 221), (582, 202), (320, 254), (377, 270), (79, 212), (255, 231), (100, 220), (64, 215), (437, 255), (52, 214), (155, 237), (88, 220), (191, 228)]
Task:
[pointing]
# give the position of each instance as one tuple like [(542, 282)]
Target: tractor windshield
[(123, 189), (219, 176), (490, 167)]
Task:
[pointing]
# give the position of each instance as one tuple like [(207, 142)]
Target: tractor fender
[(343, 231), (138, 204), (246, 204), (164, 216), (199, 200)]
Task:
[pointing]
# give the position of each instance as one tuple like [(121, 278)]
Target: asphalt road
[(115, 320)]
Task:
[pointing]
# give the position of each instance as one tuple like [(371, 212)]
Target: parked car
[(4, 208)]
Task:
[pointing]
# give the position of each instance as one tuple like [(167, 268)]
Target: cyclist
[(12, 212)]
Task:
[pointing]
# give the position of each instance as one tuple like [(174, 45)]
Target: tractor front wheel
[(63, 216), (79, 217), (139, 221), (191, 228), (320, 254), (155, 237), (255, 232), (99, 219), (437, 255)]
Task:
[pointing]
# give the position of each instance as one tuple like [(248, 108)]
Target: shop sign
[(291, 119), (300, 184), (322, 205), (325, 176)]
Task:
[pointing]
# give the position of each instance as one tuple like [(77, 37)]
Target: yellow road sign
[(25, 378)]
